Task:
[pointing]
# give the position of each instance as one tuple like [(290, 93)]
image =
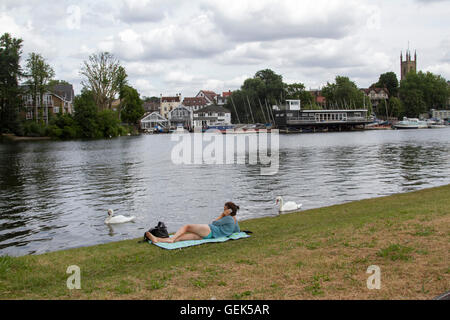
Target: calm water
[(55, 195)]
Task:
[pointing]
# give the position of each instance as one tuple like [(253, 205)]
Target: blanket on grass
[(190, 243)]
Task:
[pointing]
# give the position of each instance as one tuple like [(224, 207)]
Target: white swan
[(117, 219), (288, 206)]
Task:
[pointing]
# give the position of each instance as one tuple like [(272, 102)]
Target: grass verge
[(315, 254)]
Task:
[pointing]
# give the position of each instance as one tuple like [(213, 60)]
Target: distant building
[(195, 103), (150, 106), (210, 96), (376, 95), (153, 120), (222, 100), (211, 115), (181, 116), (58, 102), (408, 65), (318, 98), (168, 104), (440, 114)]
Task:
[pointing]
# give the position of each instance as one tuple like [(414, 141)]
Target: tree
[(344, 94), (389, 81), (296, 91), (421, 92), (10, 73), (53, 83), (86, 115), (396, 108), (132, 105), (39, 73), (104, 77), (274, 85)]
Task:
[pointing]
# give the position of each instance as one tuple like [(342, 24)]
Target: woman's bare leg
[(156, 239), (201, 230), (189, 236), (188, 232)]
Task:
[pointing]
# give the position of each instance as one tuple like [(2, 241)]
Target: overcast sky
[(170, 47)]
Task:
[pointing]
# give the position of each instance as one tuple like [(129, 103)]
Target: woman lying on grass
[(223, 226)]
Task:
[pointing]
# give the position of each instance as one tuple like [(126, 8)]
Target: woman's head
[(231, 206)]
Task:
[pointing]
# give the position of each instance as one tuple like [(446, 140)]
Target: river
[(55, 195)]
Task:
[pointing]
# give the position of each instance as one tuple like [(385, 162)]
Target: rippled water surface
[(55, 195)]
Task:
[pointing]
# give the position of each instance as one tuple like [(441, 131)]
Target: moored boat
[(411, 123)]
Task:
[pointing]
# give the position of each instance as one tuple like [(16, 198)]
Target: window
[(55, 109)]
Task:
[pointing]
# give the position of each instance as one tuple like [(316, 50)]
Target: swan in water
[(112, 219), (288, 206)]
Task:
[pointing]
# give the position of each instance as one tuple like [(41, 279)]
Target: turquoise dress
[(223, 228)]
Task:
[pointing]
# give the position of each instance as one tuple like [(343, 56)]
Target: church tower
[(408, 65)]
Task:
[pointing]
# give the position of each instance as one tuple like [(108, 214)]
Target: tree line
[(104, 80), (416, 94)]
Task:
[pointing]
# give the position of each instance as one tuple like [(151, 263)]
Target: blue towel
[(190, 243)]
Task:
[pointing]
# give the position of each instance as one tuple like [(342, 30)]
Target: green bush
[(33, 129)]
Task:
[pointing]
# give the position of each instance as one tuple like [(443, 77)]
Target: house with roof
[(153, 120), (53, 103), (195, 103), (376, 95), (210, 96), (181, 116), (222, 99), (168, 104), (318, 97), (211, 115)]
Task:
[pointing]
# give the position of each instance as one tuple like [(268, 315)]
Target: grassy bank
[(316, 254)]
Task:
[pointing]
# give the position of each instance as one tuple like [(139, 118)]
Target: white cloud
[(170, 46)]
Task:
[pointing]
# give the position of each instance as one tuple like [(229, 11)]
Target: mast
[(251, 112), (235, 110), (262, 110)]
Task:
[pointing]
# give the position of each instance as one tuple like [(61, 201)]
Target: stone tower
[(408, 65)]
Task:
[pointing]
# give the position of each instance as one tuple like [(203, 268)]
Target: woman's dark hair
[(234, 208)]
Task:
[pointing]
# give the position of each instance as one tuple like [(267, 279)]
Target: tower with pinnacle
[(408, 65)]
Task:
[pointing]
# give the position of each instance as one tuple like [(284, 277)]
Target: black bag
[(159, 231)]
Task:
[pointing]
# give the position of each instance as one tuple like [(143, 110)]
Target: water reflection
[(55, 194)]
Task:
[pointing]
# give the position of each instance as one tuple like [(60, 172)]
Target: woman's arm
[(224, 214)]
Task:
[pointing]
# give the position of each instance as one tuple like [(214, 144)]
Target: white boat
[(435, 124), (411, 123)]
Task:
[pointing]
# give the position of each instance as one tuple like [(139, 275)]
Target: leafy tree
[(53, 83), (104, 77), (296, 91), (86, 115), (396, 108), (274, 85), (251, 103), (343, 94), (64, 126), (108, 123), (151, 99), (132, 105), (388, 80), (39, 73), (10, 73), (421, 92)]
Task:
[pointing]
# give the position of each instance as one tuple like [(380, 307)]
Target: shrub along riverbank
[(315, 254), (87, 122)]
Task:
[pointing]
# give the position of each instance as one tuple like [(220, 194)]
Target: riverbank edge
[(14, 138), (408, 222)]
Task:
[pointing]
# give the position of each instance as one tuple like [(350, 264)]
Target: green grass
[(396, 252), (319, 253)]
